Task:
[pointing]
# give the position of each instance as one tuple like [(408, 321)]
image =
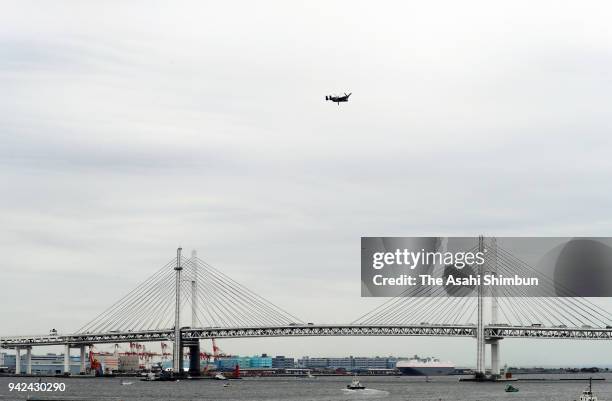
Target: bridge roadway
[(492, 332)]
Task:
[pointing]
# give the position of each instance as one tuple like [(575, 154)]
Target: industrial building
[(129, 363), (3, 367), (230, 363), (49, 364), (282, 362), (245, 362), (53, 364), (348, 363)]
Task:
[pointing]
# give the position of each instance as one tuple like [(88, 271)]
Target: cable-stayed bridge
[(188, 300)]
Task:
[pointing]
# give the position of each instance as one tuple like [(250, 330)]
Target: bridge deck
[(497, 331)]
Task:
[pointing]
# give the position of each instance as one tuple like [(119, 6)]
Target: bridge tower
[(194, 344), (194, 288), (490, 267), (494, 309), (480, 338), (177, 358)]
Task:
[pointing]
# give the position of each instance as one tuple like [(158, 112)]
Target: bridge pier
[(67, 359), (82, 360), (495, 357), (194, 356), (17, 360), (29, 360)]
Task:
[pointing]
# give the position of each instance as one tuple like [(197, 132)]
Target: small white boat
[(124, 383), (149, 377), (311, 376), (355, 385), (587, 394), (219, 376), (226, 384)]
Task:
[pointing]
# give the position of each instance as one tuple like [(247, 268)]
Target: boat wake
[(368, 392)]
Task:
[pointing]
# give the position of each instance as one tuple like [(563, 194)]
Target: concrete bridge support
[(82, 360), (17, 360), (194, 356), (67, 359), (29, 360), (495, 357)]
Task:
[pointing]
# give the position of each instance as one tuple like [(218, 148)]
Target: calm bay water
[(319, 389)]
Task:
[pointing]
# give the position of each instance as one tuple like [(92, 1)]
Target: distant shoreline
[(454, 374)]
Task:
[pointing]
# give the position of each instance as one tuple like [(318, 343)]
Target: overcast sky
[(129, 128)]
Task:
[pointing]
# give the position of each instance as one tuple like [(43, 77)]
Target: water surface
[(319, 389)]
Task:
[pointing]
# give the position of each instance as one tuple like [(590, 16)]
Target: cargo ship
[(424, 367)]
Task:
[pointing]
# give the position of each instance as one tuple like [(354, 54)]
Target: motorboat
[(219, 376), (356, 385), (511, 389)]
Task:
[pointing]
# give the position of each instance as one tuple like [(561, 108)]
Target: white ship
[(424, 367), (587, 395)]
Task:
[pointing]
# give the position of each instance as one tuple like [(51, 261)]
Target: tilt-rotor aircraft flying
[(338, 99)]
